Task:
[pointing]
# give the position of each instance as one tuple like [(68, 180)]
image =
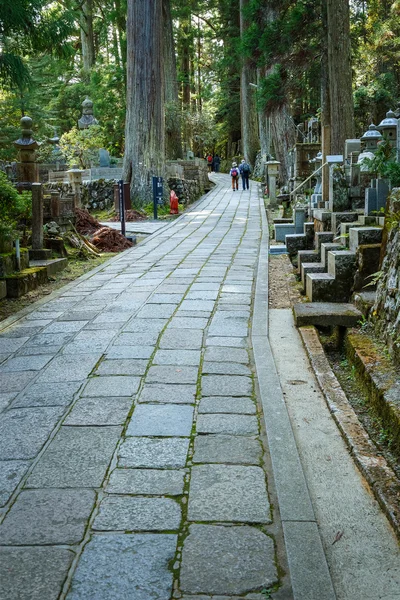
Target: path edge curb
[(373, 467), (308, 568)]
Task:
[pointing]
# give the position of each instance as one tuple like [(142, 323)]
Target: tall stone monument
[(87, 119), (27, 167)]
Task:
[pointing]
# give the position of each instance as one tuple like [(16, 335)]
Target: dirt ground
[(284, 289)]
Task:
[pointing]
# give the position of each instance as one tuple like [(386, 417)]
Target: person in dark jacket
[(245, 171), (217, 162)]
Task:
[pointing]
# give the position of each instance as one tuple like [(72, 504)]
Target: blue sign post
[(158, 194)]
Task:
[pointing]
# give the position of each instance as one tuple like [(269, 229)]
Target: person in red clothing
[(234, 173), (210, 160)]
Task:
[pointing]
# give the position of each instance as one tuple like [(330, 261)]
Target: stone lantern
[(371, 138), (27, 168), (388, 128), (273, 170), (317, 164), (75, 176), (87, 119)]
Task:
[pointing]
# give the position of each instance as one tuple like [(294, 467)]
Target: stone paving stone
[(126, 513), (17, 331), (142, 326), (188, 323), (32, 350), (202, 295), (87, 343), (196, 305), (168, 453), (99, 411), (11, 473), (185, 339), (41, 394), (64, 327), (168, 393), (77, 457), (225, 325), (49, 339), (79, 315), (4, 357), (227, 560), (161, 420), (129, 352), (203, 314), (122, 367), (227, 449), (41, 517), (229, 493), (33, 573), (227, 404), (156, 311), (223, 354), (232, 424), (172, 374), (25, 363), (196, 287), (23, 431), (10, 383), (177, 357), (69, 368), (166, 298), (148, 482), (228, 368), (117, 385), (5, 399), (226, 385), (172, 288), (233, 342), (38, 314), (135, 565), (147, 338)]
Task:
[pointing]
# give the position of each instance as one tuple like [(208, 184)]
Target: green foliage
[(80, 146), (272, 90), (384, 163), (14, 208)]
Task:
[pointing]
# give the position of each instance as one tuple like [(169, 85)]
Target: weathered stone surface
[(118, 567), (124, 513), (128, 352), (23, 431), (227, 449), (228, 493), (177, 357), (77, 457), (87, 343), (118, 385), (226, 368), (6, 399), (326, 313), (148, 482), (153, 453), (226, 323), (65, 327), (134, 338), (69, 368), (188, 323), (99, 411), (216, 354), (185, 339), (140, 325), (11, 473), (172, 374), (11, 345), (10, 383), (168, 393), (229, 423), (42, 394), (46, 340), (25, 363), (226, 385), (227, 560), (228, 342), (156, 311), (122, 367), (33, 573), (40, 517), (161, 420), (227, 404)]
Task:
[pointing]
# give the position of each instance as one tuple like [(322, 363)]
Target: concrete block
[(52, 266), (282, 230), (25, 281), (368, 260), (342, 217), (295, 242), (323, 237), (326, 313), (361, 236), (306, 256), (42, 254)]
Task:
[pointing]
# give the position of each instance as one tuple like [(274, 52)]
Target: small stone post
[(55, 205), (273, 170), (75, 179), (37, 217)]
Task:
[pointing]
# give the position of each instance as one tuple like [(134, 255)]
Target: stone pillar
[(37, 216), (75, 179), (27, 168), (55, 205), (273, 170)]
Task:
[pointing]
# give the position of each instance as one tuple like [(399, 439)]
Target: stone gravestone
[(87, 119), (104, 158), (27, 168)]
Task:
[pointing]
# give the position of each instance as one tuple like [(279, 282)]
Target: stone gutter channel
[(374, 467)]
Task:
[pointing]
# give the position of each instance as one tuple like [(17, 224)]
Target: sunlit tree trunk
[(173, 141), (87, 37), (145, 118)]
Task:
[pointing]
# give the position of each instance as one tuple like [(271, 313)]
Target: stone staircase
[(296, 242)]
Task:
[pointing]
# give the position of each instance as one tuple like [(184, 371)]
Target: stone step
[(319, 287), (342, 265), (306, 256), (295, 242), (342, 217), (323, 237), (345, 232), (25, 281), (326, 314), (361, 236), (53, 266), (8, 262), (368, 262), (283, 229), (337, 284), (318, 267)]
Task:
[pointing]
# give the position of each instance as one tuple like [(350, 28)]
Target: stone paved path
[(132, 462)]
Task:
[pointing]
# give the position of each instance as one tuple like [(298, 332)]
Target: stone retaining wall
[(386, 311)]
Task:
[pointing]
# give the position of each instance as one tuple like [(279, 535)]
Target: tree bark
[(248, 101), (173, 140), (325, 103), (264, 127), (87, 37), (340, 74), (145, 116)]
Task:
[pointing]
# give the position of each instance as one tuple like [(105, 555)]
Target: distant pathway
[(133, 454)]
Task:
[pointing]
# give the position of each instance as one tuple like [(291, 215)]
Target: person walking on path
[(210, 161), (234, 173), (217, 162), (245, 171)]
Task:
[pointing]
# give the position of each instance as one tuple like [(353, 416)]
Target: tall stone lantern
[(27, 168), (371, 138), (273, 171), (87, 119), (388, 128)]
